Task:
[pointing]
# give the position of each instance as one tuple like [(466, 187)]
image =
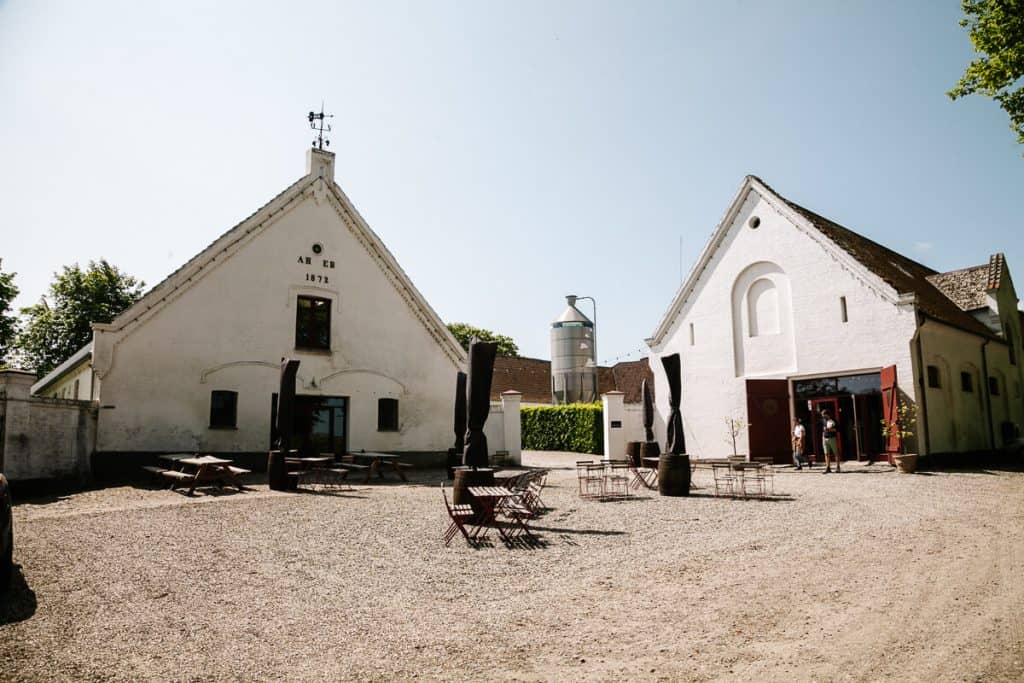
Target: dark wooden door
[(890, 406), (768, 415)]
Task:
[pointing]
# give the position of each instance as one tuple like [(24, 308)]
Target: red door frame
[(832, 405), (890, 406)]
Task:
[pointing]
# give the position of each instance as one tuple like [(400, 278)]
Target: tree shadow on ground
[(18, 603)]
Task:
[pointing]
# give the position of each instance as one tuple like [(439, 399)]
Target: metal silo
[(573, 370)]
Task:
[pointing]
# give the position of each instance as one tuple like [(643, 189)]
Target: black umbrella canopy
[(676, 440), (481, 370), (648, 411), (286, 403), (460, 411)]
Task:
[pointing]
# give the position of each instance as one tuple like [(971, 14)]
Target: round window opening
[(754, 222), (317, 248)]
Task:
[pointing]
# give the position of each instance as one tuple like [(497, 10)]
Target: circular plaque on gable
[(317, 247)]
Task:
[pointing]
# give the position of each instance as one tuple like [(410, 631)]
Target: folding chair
[(461, 516), (519, 516), (581, 474), (725, 479), (592, 480), (616, 479)]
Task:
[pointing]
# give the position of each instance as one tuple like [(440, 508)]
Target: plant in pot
[(734, 426), (901, 426)]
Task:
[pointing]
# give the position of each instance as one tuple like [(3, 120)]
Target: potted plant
[(734, 426), (901, 425)]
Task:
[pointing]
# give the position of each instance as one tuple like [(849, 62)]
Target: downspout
[(988, 396), (922, 373)]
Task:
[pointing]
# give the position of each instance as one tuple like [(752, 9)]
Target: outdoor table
[(209, 470), (378, 459), (742, 468), (490, 498), (311, 462)]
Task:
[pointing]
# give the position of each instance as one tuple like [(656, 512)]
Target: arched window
[(763, 308)]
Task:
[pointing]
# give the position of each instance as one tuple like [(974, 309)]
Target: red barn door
[(768, 414), (890, 406)]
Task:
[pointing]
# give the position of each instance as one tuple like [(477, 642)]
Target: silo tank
[(573, 371)]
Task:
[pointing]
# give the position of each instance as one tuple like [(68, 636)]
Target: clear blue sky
[(536, 148)]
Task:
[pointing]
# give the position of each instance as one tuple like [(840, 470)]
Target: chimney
[(320, 163)]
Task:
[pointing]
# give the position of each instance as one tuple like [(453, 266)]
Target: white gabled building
[(787, 313), (194, 365)]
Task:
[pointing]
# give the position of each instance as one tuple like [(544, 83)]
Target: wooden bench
[(323, 476), (238, 470), (178, 477)]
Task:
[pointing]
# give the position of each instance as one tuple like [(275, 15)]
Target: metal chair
[(725, 479), (616, 478), (591, 479)]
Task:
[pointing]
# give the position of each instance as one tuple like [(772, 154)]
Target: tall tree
[(996, 27), (58, 326), (8, 323), (464, 333)]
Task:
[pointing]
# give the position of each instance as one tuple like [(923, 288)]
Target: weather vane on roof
[(316, 122)]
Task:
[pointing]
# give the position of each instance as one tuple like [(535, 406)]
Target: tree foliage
[(464, 334), (59, 325), (8, 322), (996, 27)]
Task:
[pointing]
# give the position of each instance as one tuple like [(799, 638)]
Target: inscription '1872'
[(310, 277)]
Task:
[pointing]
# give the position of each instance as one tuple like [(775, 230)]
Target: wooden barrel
[(466, 477), (674, 475), (277, 471), (633, 452)]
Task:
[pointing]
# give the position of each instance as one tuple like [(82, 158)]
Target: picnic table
[(204, 470), (377, 460)]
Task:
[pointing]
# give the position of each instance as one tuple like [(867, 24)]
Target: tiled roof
[(629, 377), (904, 275), (965, 287), (529, 376), (532, 378)]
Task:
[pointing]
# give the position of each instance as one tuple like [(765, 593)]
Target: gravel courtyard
[(867, 575)]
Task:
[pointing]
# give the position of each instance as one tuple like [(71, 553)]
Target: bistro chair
[(616, 479), (461, 516), (725, 479), (582, 474)]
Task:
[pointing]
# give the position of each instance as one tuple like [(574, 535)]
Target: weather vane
[(316, 122)]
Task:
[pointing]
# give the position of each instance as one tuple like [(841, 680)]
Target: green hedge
[(577, 427)]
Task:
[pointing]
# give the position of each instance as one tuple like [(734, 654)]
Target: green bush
[(577, 427)]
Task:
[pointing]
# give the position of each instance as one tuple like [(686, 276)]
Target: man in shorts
[(830, 442)]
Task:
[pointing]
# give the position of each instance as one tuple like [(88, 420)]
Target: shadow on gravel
[(19, 602), (579, 532)]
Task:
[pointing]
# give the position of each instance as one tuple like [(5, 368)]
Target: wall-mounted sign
[(323, 263), (616, 424)]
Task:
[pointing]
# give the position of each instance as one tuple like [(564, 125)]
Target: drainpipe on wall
[(988, 397), (922, 373)]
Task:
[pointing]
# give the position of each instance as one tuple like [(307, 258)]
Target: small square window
[(313, 323), (966, 382), (224, 409), (387, 415), (933, 377), (993, 386)]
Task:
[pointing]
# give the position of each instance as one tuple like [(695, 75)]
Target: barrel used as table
[(466, 477), (674, 475)]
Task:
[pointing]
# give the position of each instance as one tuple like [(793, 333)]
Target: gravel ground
[(867, 575)]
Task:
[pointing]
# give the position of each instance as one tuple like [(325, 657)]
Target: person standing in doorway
[(830, 442), (798, 445)]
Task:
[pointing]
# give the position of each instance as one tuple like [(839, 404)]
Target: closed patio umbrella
[(460, 411), (455, 453), (648, 411), (478, 399), (675, 443), (674, 465), (277, 477)]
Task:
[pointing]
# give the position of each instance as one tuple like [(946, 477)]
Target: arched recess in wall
[(971, 407), (943, 421), (762, 321)]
